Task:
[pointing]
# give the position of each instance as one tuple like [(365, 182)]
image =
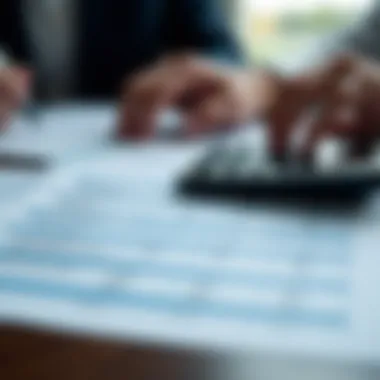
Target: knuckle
[(138, 86)]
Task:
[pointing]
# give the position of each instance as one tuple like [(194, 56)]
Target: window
[(275, 29)]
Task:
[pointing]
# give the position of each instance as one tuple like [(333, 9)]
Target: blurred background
[(273, 30)]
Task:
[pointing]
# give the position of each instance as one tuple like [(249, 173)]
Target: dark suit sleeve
[(2, 25), (12, 33), (201, 26)]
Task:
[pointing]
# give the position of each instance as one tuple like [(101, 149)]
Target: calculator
[(241, 166)]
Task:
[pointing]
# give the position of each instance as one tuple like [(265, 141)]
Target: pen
[(31, 111)]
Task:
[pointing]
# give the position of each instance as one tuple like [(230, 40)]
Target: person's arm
[(201, 26)]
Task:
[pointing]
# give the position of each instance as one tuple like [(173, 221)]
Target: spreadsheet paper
[(103, 244)]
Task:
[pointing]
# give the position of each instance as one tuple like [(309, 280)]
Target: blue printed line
[(111, 297), (296, 316), (155, 268)]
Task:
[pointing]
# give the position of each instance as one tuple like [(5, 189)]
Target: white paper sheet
[(103, 245)]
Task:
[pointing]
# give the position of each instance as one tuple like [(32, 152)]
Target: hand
[(343, 98), (210, 95), (14, 88)]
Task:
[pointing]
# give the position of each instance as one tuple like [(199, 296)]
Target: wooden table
[(31, 354)]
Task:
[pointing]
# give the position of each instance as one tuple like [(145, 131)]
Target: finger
[(370, 106), (366, 132), (293, 109), (136, 104), (144, 100), (339, 112), (177, 82), (9, 99), (14, 90), (283, 117), (325, 78), (210, 115), (225, 108), (334, 121), (14, 84), (130, 127)]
